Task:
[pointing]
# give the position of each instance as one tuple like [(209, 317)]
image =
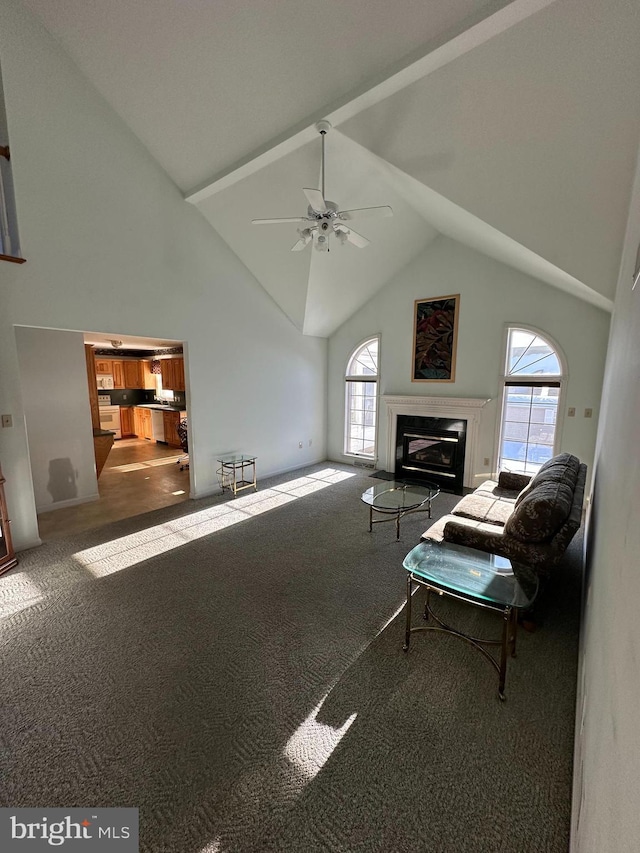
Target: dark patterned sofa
[(529, 520)]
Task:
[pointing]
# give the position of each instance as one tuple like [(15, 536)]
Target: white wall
[(58, 417), (111, 246), (606, 816), (491, 295)]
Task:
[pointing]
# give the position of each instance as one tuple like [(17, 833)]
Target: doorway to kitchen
[(138, 476), (117, 451)]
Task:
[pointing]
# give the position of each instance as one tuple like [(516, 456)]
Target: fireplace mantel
[(466, 408)]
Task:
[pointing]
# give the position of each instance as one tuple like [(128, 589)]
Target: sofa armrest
[(513, 482), (484, 538)]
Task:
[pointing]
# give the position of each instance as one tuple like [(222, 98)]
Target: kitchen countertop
[(157, 406)]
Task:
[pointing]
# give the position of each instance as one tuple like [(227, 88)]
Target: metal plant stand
[(237, 472)]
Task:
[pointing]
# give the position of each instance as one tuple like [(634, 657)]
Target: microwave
[(105, 383)]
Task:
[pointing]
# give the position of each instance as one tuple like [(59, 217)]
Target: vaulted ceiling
[(511, 126)]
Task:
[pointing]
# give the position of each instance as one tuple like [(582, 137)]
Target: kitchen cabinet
[(172, 374), (137, 422), (103, 366), (171, 421), (137, 374), (178, 374), (118, 374), (142, 422), (132, 374), (148, 378), (126, 421)]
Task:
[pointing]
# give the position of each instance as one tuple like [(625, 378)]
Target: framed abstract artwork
[(435, 337)]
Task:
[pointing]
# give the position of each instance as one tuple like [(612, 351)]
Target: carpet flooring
[(234, 669)]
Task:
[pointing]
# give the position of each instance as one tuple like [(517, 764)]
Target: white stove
[(109, 415)]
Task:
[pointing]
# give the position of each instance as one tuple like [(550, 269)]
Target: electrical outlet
[(7, 421), (588, 413), (300, 445), (571, 412), (487, 461)]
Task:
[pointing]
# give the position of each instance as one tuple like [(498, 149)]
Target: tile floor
[(138, 476)]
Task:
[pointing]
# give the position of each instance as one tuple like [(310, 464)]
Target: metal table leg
[(407, 633)]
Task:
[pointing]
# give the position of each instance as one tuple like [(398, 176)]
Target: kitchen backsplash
[(135, 397)]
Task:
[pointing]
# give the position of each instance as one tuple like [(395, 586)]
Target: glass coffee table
[(484, 580), (396, 498)]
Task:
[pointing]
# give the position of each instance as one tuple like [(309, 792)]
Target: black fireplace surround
[(431, 449)]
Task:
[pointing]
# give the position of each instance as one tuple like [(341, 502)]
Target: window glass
[(362, 400), (530, 403), (530, 355)]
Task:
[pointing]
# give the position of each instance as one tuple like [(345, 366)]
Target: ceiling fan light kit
[(324, 217)]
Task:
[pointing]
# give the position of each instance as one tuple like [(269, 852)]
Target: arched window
[(362, 400), (532, 384)]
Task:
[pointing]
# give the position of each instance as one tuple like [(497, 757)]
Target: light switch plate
[(588, 413), (7, 421), (571, 412)]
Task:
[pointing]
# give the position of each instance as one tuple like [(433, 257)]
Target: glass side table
[(237, 471), (484, 580)]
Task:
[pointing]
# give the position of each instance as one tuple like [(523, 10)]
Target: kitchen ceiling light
[(116, 344)]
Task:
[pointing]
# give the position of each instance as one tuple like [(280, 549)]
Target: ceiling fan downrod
[(322, 127)]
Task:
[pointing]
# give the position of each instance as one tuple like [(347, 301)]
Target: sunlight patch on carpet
[(17, 593), (312, 743), (214, 846), (126, 551)]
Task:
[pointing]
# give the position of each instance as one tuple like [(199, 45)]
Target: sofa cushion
[(561, 469), (541, 511), (484, 508), (437, 530), (513, 482), (491, 489)]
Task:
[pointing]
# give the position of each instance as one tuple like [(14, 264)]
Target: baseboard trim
[(26, 546), (70, 502), (218, 491)]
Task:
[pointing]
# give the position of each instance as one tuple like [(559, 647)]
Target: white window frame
[(351, 378), (561, 379)]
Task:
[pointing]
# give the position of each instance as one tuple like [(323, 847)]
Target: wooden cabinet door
[(147, 427), (178, 374), (132, 374), (103, 366), (166, 369), (138, 428), (118, 374), (148, 378), (171, 421), (126, 421)]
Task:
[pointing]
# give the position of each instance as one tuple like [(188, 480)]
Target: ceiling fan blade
[(352, 236), (315, 199), (364, 212), (278, 221)]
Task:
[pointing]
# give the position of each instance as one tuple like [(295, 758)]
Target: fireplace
[(431, 449), (451, 410)]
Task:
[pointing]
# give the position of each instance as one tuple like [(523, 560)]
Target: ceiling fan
[(324, 218)]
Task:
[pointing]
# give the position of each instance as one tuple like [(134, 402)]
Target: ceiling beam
[(495, 18)]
